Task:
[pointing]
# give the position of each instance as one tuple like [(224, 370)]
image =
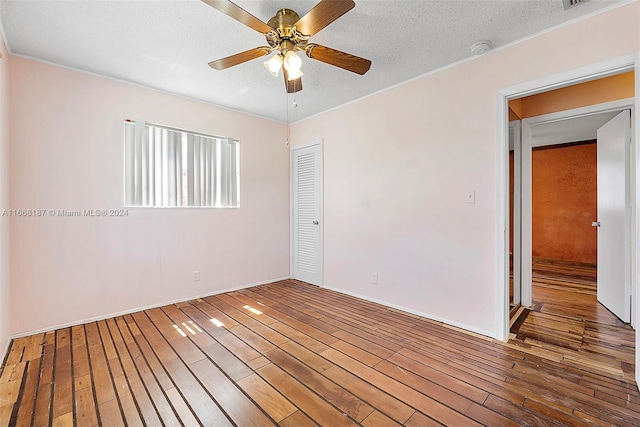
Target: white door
[(614, 284), (307, 214)]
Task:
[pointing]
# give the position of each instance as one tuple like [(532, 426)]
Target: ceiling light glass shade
[(292, 61), (274, 65), (294, 74)]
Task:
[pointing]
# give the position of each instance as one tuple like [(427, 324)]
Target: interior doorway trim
[(515, 145), (544, 84)]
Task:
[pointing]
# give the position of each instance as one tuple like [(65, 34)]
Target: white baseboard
[(135, 310), (418, 313)]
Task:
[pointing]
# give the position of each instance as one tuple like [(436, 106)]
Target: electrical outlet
[(196, 276), (374, 278)]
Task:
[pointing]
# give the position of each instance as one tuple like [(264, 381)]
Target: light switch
[(471, 196)]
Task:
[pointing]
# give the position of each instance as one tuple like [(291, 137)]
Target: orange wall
[(515, 109), (611, 88), (565, 203)]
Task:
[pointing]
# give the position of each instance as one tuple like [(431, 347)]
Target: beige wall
[(398, 165), (67, 153)]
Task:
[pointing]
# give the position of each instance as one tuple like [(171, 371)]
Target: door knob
[(315, 223), (595, 224)]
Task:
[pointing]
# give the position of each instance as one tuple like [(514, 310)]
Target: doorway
[(553, 129), (544, 130), (566, 79), (559, 205), (569, 114), (568, 317)]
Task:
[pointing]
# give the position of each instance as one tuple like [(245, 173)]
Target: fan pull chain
[(286, 142)]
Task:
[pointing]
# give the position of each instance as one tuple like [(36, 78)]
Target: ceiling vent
[(568, 4)]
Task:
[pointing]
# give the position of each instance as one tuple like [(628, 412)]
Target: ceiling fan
[(287, 33)]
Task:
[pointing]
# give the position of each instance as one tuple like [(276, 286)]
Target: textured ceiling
[(167, 44)]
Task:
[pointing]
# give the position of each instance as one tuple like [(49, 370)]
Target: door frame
[(528, 143), (292, 149), (544, 84), (515, 144)]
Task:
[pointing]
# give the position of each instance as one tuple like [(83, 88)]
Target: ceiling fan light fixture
[(287, 33), (292, 62), (274, 64), (294, 74)]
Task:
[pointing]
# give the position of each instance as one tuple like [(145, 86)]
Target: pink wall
[(5, 287), (67, 153), (397, 167)]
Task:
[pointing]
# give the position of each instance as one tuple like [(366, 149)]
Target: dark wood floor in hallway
[(566, 322), (292, 354)]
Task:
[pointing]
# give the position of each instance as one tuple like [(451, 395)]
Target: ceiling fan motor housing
[(284, 35), (284, 23)]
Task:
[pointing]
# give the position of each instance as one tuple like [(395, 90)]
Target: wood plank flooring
[(292, 354), (567, 323)]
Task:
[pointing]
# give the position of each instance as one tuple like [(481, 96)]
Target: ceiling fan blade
[(339, 59), (239, 58), (323, 14), (239, 14), (292, 86)]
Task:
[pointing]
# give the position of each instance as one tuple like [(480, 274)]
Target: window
[(167, 167)]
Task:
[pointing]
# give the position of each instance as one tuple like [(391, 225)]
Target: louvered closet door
[(307, 221)]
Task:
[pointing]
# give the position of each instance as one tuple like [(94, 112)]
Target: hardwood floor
[(568, 324), (292, 354)]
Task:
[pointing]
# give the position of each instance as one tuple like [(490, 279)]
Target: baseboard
[(135, 310), (445, 322)]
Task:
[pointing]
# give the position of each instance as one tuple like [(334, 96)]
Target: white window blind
[(167, 167)]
